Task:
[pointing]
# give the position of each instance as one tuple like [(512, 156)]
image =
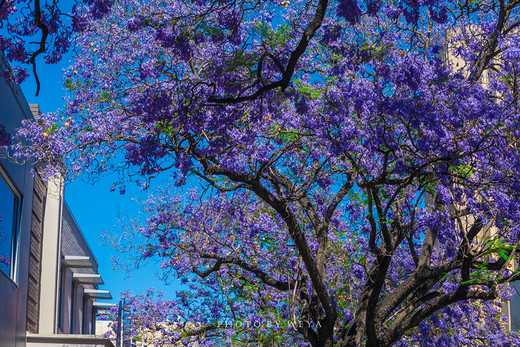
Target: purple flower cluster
[(5, 140)]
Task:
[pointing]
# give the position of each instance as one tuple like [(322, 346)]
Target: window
[(73, 308), (60, 299), (84, 315), (9, 209)]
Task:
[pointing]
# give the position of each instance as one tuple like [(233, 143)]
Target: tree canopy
[(33, 28), (352, 166)]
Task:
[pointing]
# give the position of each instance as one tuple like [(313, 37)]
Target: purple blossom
[(5, 140), (349, 9)]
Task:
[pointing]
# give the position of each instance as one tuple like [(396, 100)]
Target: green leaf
[(503, 254), (68, 84)]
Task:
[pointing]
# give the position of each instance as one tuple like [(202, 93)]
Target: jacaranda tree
[(350, 168)]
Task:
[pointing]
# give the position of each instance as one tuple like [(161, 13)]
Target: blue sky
[(94, 207)]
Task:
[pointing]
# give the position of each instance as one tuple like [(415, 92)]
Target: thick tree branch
[(406, 322), (288, 72), (264, 277), (43, 40), (283, 209), (489, 50)]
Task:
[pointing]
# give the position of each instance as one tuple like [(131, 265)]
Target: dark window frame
[(15, 226), (61, 298), (73, 307)]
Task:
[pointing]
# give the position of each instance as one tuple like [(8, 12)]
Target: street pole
[(119, 316)]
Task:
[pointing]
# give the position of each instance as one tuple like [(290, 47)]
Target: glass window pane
[(7, 227)]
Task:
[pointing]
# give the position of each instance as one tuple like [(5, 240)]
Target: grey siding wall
[(73, 243), (13, 293)]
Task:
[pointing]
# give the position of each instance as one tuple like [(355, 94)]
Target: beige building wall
[(36, 287), (51, 257), (455, 40)]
